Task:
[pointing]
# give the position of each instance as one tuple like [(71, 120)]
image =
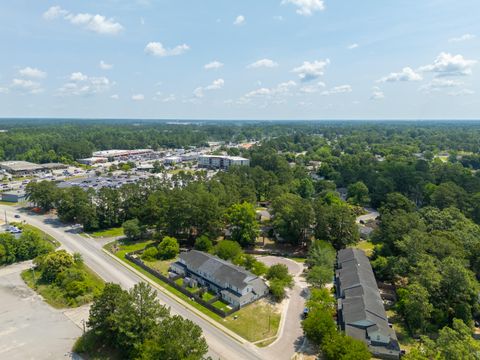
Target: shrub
[(132, 229), (280, 272), (53, 264), (277, 290), (227, 250), (150, 254), (168, 248), (203, 243), (319, 325)]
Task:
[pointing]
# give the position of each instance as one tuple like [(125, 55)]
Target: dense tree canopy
[(137, 326)]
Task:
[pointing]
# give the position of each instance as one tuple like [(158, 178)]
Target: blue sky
[(249, 59)]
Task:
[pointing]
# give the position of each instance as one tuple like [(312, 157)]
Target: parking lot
[(29, 327)]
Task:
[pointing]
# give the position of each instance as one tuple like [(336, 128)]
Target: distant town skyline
[(270, 59)]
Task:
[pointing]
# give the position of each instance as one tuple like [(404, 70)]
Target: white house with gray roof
[(234, 284)]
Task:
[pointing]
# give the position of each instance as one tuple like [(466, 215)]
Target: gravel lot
[(29, 327)]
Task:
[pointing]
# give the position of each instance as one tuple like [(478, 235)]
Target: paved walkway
[(29, 327)]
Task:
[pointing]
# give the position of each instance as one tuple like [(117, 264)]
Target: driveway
[(371, 215), (29, 327), (290, 339), (294, 268)]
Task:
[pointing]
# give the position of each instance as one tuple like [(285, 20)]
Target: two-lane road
[(220, 344)]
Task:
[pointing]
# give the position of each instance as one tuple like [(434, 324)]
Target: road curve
[(221, 345)]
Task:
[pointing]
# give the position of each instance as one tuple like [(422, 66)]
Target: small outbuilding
[(14, 196)]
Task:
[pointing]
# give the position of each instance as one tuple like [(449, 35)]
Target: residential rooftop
[(361, 313)]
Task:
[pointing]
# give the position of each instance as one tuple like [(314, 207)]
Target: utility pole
[(6, 222)]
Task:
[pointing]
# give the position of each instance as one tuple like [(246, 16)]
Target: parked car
[(305, 313), (16, 216)]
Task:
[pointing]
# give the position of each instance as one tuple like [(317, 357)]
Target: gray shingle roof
[(362, 315), (220, 271)]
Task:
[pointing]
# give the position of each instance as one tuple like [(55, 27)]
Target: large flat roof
[(224, 157), (20, 166)]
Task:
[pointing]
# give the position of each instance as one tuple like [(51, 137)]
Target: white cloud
[(450, 65), (239, 20), (282, 89), (4, 90), (32, 73), (78, 76), (157, 49), (81, 84), (338, 90), (138, 97), (267, 63), (464, 37), (352, 46), (377, 94), (439, 84), (54, 12), (198, 92), (169, 98), (311, 89), (96, 23), (462, 92), (105, 66), (306, 7), (407, 74), (213, 65), (26, 86), (115, 97), (311, 70), (215, 85)]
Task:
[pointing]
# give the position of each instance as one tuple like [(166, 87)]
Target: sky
[(240, 59)]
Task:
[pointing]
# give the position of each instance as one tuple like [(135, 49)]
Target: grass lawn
[(219, 304), (255, 322), (56, 296), (207, 296), (266, 342), (298, 259), (191, 289), (179, 281), (113, 232), (8, 203), (366, 246), (161, 266), (124, 247), (176, 171), (42, 234)]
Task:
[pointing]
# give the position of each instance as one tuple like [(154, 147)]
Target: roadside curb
[(186, 305)]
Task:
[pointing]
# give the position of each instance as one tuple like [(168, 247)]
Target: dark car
[(305, 313), (16, 216)]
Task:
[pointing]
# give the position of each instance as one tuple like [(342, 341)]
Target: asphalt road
[(221, 345)]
